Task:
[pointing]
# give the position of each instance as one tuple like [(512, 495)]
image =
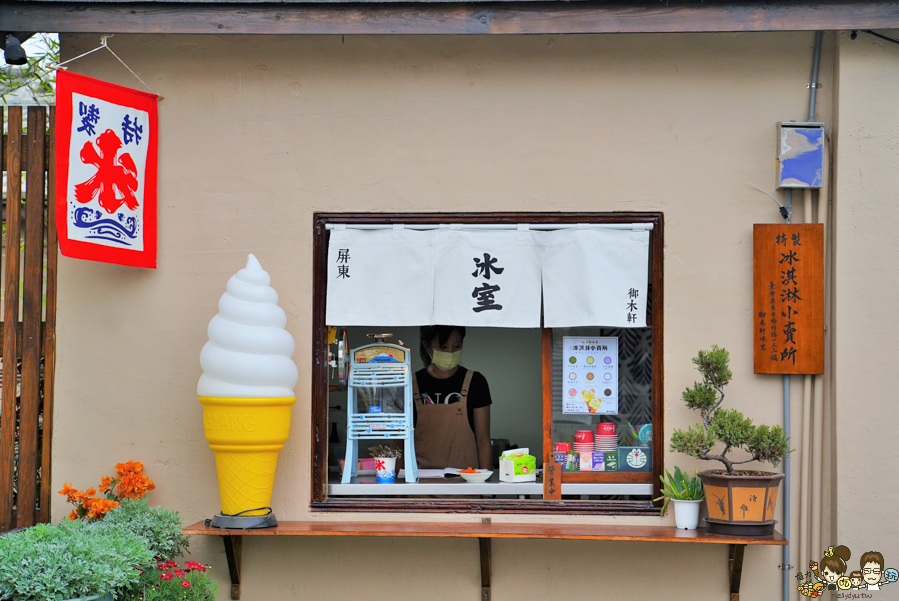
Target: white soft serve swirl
[(249, 351)]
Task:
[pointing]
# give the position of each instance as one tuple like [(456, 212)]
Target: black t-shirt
[(441, 391)]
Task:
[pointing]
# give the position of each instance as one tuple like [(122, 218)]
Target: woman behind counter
[(451, 405)]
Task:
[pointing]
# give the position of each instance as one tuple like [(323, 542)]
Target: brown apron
[(443, 436)]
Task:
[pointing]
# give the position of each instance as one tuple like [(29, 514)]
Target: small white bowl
[(482, 476)]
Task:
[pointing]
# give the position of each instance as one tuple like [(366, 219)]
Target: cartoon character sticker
[(873, 572), (833, 566), (830, 574)]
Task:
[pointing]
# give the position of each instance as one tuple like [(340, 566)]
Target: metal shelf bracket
[(233, 552), (735, 570)]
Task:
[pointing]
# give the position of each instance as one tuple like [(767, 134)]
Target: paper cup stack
[(583, 441), (606, 438)]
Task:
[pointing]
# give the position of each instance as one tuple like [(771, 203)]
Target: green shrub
[(52, 562), (160, 528)]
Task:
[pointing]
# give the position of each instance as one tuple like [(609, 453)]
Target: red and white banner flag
[(106, 138)]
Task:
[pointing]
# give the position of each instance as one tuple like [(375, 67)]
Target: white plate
[(479, 477)]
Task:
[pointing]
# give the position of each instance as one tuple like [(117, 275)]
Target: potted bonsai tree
[(738, 502)]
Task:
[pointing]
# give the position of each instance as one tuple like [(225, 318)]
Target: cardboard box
[(611, 461), (599, 461), (516, 465), (585, 464)]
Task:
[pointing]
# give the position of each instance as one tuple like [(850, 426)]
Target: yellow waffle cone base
[(246, 435), (245, 480)]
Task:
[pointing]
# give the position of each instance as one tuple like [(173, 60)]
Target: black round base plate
[(243, 522), (737, 529)]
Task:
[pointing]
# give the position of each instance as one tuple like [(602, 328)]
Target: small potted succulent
[(385, 462), (739, 502), (69, 561), (686, 493)]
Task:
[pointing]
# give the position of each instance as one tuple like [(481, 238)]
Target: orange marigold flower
[(133, 467), (104, 483), (66, 489), (90, 492), (97, 508), (135, 486), (73, 515)]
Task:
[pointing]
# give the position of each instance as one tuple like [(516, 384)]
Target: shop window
[(547, 383)]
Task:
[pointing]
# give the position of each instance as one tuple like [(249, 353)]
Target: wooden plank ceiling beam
[(613, 16)]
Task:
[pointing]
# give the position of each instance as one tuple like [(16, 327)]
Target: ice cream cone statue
[(247, 390)]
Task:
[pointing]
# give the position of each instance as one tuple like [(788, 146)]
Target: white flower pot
[(686, 514), (385, 469)]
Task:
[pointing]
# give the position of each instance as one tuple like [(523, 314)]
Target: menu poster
[(590, 375)]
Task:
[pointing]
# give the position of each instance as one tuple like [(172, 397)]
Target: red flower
[(171, 564), (195, 566), (185, 584), (179, 573), (160, 566), (166, 576)]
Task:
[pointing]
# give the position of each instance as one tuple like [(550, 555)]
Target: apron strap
[(466, 383), (416, 396)]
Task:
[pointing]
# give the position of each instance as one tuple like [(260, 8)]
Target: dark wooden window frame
[(320, 421)]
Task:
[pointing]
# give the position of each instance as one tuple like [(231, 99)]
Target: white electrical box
[(800, 155)]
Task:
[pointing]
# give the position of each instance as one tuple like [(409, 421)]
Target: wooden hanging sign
[(788, 309), (552, 481)]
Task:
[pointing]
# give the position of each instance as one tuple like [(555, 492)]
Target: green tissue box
[(516, 465)]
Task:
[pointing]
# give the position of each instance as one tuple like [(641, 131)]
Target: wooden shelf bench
[(485, 531)]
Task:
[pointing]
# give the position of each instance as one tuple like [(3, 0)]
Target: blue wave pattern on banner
[(106, 229)]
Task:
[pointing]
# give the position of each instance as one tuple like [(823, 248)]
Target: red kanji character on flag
[(113, 175)]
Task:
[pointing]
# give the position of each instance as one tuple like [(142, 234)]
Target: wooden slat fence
[(29, 316)]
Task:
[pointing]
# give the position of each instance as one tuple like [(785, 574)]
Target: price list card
[(590, 375)]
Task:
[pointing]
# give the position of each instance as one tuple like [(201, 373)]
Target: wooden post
[(10, 316), (32, 297), (49, 342)]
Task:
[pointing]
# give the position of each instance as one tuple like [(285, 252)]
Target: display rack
[(485, 531)]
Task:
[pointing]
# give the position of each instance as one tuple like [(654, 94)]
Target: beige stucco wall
[(866, 210), (258, 133)]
